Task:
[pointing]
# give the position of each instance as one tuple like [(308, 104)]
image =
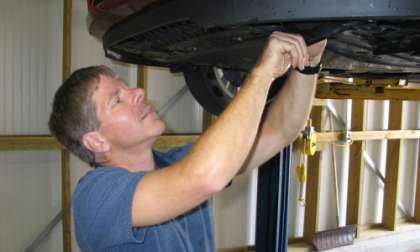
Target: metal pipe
[(45, 232), (169, 104)]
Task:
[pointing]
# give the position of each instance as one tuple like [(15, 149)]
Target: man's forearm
[(290, 109), (223, 148), (285, 119)]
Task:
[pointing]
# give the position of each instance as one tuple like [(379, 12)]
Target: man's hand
[(284, 50)]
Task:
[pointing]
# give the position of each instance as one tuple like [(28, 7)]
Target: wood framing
[(65, 174), (389, 217), (328, 137), (417, 199), (207, 120), (66, 199), (46, 142), (366, 92), (142, 79), (170, 141), (313, 183), (21, 142), (356, 167)]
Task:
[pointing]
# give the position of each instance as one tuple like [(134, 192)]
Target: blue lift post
[(273, 203)]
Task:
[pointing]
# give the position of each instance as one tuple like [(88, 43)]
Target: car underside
[(216, 42)]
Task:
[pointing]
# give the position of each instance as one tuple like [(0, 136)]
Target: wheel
[(214, 87)]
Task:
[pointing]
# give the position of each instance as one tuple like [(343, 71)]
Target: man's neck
[(134, 160)]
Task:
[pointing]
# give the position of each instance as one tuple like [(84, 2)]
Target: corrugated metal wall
[(30, 63), (30, 70)]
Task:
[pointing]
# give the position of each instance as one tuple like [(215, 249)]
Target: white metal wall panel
[(30, 69), (376, 119), (30, 63)]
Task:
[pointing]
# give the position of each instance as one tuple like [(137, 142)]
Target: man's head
[(94, 112), (74, 113)]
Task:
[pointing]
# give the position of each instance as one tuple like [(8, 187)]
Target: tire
[(214, 88)]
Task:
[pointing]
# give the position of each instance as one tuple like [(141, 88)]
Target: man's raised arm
[(222, 150), (288, 112)]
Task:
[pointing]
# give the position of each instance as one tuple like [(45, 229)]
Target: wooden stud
[(142, 79), (356, 167), (207, 120), (66, 199), (371, 92), (67, 24), (313, 184), (389, 217), (328, 137), (417, 199), (170, 141), (65, 156)]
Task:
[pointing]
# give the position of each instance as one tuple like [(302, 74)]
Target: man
[(140, 200)]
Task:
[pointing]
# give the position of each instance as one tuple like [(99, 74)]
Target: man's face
[(127, 120)]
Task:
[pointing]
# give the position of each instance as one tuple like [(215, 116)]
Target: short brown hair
[(73, 111)]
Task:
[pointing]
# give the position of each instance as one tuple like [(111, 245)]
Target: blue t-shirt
[(102, 214)]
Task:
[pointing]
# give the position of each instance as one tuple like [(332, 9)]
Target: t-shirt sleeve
[(102, 209)]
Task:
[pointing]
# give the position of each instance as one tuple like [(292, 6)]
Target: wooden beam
[(142, 80), (365, 92), (320, 102), (389, 216), (360, 81), (313, 183), (328, 137), (356, 168), (65, 174), (208, 119), (417, 199), (46, 142), (170, 141), (21, 142), (67, 20), (66, 199)]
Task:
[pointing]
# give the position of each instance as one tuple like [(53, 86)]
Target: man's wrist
[(310, 70), (261, 74)]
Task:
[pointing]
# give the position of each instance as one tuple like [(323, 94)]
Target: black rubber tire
[(204, 87)]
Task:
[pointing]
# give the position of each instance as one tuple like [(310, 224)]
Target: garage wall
[(30, 64), (30, 72)]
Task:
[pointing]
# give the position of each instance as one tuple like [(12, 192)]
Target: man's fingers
[(285, 46), (298, 43)]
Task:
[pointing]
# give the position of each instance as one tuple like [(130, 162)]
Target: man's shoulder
[(99, 184), (102, 207)]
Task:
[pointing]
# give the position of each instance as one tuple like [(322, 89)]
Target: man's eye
[(116, 101)]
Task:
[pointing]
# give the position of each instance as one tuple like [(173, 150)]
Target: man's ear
[(95, 142)]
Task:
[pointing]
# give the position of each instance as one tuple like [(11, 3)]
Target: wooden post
[(417, 199), (389, 217), (207, 120), (65, 156), (66, 199), (312, 184), (356, 167), (142, 79)]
